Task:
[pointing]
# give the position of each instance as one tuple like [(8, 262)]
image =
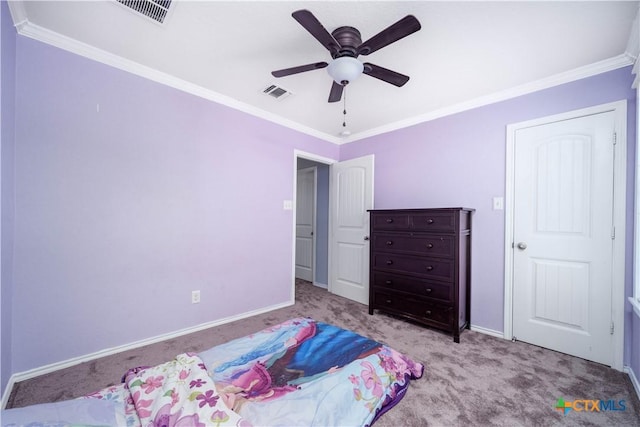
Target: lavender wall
[(153, 193), (7, 132), (459, 160), (157, 192)]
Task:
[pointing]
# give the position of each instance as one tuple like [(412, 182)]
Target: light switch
[(287, 205)]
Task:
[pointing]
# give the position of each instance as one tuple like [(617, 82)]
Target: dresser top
[(422, 210)]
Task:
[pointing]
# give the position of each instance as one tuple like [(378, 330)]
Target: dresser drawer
[(433, 221), (432, 313), (411, 243), (421, 266), (418, 287), (390, 221)]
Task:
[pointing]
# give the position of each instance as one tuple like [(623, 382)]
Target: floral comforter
[(298, 373), (303, 372), (177, 393)]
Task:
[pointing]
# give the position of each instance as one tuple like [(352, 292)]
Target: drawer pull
[(389, 262), (429, 267), (388, 282), (389, 220), (388, 301), (428, 290), (428, 312), (389, 242), (429, 245), (430, 221)]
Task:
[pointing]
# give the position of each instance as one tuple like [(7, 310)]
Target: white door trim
[(619, 218), (314, 198), (316, 158)]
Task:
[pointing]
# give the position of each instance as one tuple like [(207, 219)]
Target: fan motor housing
[(349, 39)]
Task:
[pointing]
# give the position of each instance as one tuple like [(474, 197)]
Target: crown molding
[(18, 13), (610, 64), (36, 32), (633, 43), (633, 48)]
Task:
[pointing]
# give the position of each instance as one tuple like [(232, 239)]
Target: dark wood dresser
[(420, 266)]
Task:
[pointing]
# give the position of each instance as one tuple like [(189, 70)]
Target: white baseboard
[(634, 379), (32, 373), (7, 391), (487, 331)]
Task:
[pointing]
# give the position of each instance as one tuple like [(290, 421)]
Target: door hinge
[(615, 138), (612, 328), (613, 233)]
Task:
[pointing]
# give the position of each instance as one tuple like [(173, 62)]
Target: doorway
[(312, 227), (344, 193), (564, 235)]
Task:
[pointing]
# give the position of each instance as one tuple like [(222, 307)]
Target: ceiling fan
[(345, 45)]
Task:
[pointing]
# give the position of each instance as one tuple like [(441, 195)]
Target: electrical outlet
[(195, 297)]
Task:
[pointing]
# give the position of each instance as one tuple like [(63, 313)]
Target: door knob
[(366, 237), (522, 246)]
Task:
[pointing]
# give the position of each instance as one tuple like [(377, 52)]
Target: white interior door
[(563, 231), (305, 223), (351, 197)]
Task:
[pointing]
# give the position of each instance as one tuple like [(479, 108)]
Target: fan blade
[(407, 25), (336, 92), (311, 24), (298, 69), (385, 75)]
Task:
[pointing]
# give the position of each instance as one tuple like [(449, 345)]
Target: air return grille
[(154, 9), (276, 92)]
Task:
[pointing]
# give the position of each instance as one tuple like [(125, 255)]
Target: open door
[(351, 197), (305, 223)]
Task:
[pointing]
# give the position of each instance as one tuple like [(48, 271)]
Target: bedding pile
[(298, 373)]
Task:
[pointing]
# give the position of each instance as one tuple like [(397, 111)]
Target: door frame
[(314, 199), (319, 159), (619, 217)]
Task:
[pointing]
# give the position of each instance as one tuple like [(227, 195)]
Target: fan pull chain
[(344, 111)]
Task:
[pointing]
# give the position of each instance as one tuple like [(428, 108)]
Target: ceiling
[(467, 54)]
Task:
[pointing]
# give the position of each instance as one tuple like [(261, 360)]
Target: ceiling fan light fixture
[(345, 69)]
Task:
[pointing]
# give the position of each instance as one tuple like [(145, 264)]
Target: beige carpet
[(482, 381)]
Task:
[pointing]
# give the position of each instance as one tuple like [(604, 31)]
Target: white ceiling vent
[(276, 92), (154, 9)]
